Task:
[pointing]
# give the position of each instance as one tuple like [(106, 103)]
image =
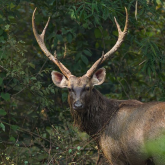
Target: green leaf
[(26, 162), (59, 37), (10, 17), (2, 112), (87, 52), (1, 31), (84, 59), (81, 12), (3, 55), (7, 27), (51, 2), (78, 147), (64, 96), (79, 9), (85, 25), (70, 150), (97, 33), (5, 96), (14, 127), (2, 39), (12, 5), (93, 7), (97, 45), (33, 78), (1, 81), (72, 13), (12, 139), (69, 37), (32, 65), (1, 20), (154, 52), (2, 126), (78, 55)]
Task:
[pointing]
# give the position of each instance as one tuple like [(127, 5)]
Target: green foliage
[(35, 122), (2, 126), (157, 146)]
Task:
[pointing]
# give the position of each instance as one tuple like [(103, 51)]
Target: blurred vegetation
[(35, 122)]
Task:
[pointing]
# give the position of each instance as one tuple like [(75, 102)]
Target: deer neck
[(96, 115)]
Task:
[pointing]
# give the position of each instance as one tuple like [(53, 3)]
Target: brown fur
[(98, 112), (121, 127)]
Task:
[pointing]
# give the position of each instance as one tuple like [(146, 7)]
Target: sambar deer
[(121, 128)]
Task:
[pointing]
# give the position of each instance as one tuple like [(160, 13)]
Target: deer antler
[(40, 40), (121, 37)]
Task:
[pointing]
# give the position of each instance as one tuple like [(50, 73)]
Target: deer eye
[(70, 89), (87, 88)]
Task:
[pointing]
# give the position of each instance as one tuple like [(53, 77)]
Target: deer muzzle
[(78, 105)]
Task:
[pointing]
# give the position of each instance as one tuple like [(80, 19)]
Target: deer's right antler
[(40, 40), (121, 37)]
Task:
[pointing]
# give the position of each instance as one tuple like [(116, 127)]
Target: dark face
[(79, 93), (79, 96), (80, 88)]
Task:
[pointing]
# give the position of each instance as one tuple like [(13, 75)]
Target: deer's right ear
[(59, 79)]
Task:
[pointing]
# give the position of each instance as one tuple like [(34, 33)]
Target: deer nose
[(78, 104)]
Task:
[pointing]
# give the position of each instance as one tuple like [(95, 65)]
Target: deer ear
[(59, 79), (98, 77)]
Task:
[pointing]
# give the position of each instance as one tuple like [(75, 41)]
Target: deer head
[(80, 88)]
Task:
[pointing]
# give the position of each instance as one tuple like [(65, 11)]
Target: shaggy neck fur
[(96, 115)]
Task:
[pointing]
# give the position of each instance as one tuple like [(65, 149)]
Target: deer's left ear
[(98, 77)]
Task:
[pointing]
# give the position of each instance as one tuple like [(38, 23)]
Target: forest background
[(35, 122)]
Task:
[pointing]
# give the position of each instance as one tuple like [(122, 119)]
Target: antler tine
[(41, 43), (121, 37)]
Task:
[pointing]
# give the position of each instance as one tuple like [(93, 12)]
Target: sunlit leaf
[(70, 150), (12, 5), (2, 126), (78, 147)]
